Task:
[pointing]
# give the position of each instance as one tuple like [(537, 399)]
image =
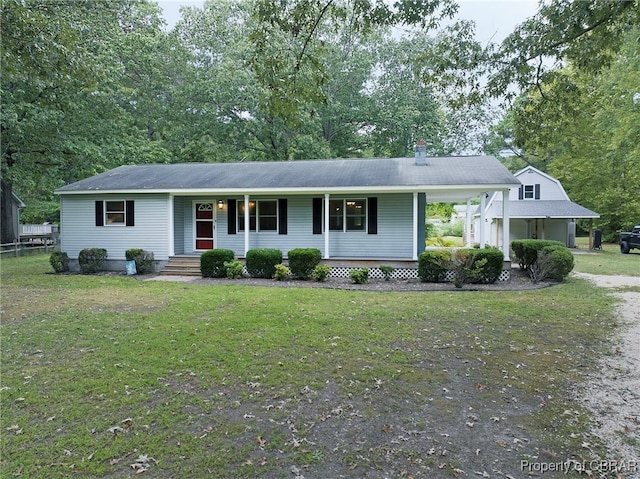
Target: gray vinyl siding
[(395, 232), (150, 232), (180, 225), (393, 241)]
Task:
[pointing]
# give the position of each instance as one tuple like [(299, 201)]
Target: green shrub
[(303, 261), (321, 272), (282, 272), (91, 260), (59, 261), (433, 265), (525, 251), (387, 271), (359, 276), (143, 259), (212, 262), (553, 263), (491, 268), (261, 262), (233, 269)]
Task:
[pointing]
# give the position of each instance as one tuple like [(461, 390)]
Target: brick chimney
[(421, 153)]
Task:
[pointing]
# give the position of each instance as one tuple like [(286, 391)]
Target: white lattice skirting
[(343, 272)]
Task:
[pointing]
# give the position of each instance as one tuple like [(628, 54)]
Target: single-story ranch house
[(367, 209)]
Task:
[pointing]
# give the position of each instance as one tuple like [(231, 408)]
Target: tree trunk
[(6, 220)]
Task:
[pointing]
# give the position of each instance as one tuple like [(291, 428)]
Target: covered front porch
[(377, 226)]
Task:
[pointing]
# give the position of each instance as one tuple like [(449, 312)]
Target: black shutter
[(317, 216), (521, 192), (129, 213), (537, 193), (372, 226), (282, 216), (99, 213), (231, 217)]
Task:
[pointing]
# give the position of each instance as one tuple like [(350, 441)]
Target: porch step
[(182, 266)]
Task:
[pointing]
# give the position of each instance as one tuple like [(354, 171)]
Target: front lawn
[(110, 376)]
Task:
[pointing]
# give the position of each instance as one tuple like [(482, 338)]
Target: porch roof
[(456, 173)]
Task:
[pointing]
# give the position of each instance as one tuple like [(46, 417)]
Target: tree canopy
[(87, 86)]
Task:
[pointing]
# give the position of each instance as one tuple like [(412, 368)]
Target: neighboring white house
[(540, 208)]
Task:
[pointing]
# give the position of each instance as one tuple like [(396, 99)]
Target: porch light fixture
[(220, 204)]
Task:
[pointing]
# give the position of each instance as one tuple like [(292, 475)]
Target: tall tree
[(66, 113), (583, 128)]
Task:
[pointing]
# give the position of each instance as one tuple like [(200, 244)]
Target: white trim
[(483, 226), (505, 224), (171, 226), (247, 224), (468, 223), (415, 226), (434, 191), (326, 226)]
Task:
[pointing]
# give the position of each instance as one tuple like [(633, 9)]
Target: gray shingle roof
[(402, 173), (545, 209)]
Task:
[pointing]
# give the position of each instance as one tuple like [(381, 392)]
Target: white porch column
[(247, 224), (326, 226), (505, 224), (415, 225), (468, 224), (171, 226), (483, 226)]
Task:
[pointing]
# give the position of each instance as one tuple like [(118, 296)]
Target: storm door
[(204, 225)]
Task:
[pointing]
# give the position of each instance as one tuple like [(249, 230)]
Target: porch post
[(415, 225), (483, 226), (247, 224), (326, 226), (506, 221), (171, 226), (468, 224)]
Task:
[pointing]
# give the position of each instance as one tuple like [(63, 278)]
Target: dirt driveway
[(614, 395)]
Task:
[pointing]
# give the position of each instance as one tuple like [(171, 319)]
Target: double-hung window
[(263, 214), (114, 213), (348, 215)]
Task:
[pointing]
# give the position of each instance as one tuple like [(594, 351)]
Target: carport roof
[(530, 209)]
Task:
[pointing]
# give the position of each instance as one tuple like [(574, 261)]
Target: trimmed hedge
[(470, 265), (92, 259), (143, 259), (302, 261), (561, 258), (59, 261), (212, 262), (491, 271), (525, 251), (433, 265), (261, 262)]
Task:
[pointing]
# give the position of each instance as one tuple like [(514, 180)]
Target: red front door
[(204, 226)]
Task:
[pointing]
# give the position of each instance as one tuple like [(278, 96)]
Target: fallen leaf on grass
[(261, 441)]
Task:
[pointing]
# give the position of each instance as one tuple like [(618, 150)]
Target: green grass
[(233, 381), (607, 261)]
